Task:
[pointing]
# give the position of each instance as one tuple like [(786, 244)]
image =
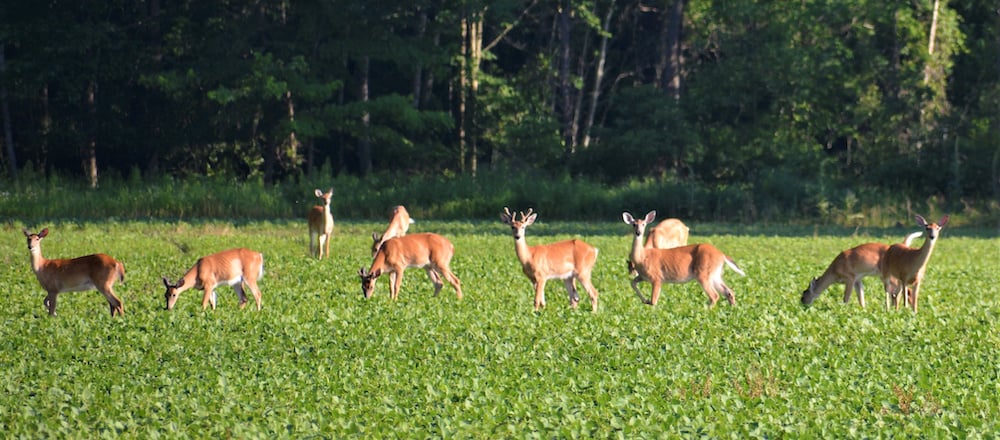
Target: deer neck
[(522, 249), (924, 253), (638, 250), (37, 260)]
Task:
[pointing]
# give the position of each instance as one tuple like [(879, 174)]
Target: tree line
[(792, 101)]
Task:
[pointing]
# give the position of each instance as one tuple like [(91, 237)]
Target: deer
[(902, 266), (702, 262), (89, 272), (233, 267), (570, 260), (320, 225), (425, 250), (399, 223), (850, 267), (669, 233)]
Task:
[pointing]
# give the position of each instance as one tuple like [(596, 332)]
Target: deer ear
[(943, 221), (530, 220), (166, 282), (375, 236), (26, 233), (376, 273), (362, 272), (627, 218), (650, 216), (318, 193), (920, 221), (44, 233)]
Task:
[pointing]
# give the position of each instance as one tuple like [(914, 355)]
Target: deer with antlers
[(902, 266), (97, 271), (701, 262), (320, 225), (570, 260)]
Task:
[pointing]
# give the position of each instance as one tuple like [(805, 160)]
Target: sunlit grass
[(321, 360)]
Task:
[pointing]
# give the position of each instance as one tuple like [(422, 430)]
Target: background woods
[(793, 107)]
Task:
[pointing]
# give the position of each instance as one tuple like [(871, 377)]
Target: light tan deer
[(97, 271), (669, 233), (701, 262), (321, 225), (234, 267), (430, 251), (399, 223), (850, 267), (903, 266), (569, 260)]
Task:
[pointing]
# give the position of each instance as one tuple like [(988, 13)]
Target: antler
[(525, 215)]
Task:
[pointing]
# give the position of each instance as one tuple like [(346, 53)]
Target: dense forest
[(795, 102)]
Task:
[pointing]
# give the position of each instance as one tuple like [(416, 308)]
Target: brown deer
[(669, 233), (234, 267), (903, 266), (97, 271), (569, 260), (321, 225), (850, 267), (430, 251), (399, 223), (701, 262)]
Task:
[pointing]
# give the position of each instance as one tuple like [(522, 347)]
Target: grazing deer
[(903, 266), (669, 233), (233, 267), (701, 262), (569, 260), (97, 271), (399, 223), (850, 267), (430, 251), (320, 225)]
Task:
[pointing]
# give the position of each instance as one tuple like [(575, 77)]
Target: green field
[(321, 361)]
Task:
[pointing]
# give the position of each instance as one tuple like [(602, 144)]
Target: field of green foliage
[(319, 360)]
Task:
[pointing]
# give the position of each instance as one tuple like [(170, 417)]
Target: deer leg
[(209, 297), (539, 295), (913, 295), (50, 302), (574, 297), (252, 284), (397, 280), (635, 287), (726, 291), (713, 296), (327, 240), (655, 295), (859, 285), (887, 283), (455, 282), (114, 302), (848, 286), (591, 290), (238, 287), (435, 279), (313, 238)]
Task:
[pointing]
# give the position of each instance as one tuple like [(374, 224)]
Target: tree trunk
[(595, 94), (463, 86), (364, 143), (671, 80), (8, 131), (419, 70), (90, 149), (565, 95)]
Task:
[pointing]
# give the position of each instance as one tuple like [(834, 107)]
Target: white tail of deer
[(429, 251), (850, 267), (569, 260), (399, 223), (321, 225), (903, 266), (97, 271), (669, 233), (701, 262), (233, 267)]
